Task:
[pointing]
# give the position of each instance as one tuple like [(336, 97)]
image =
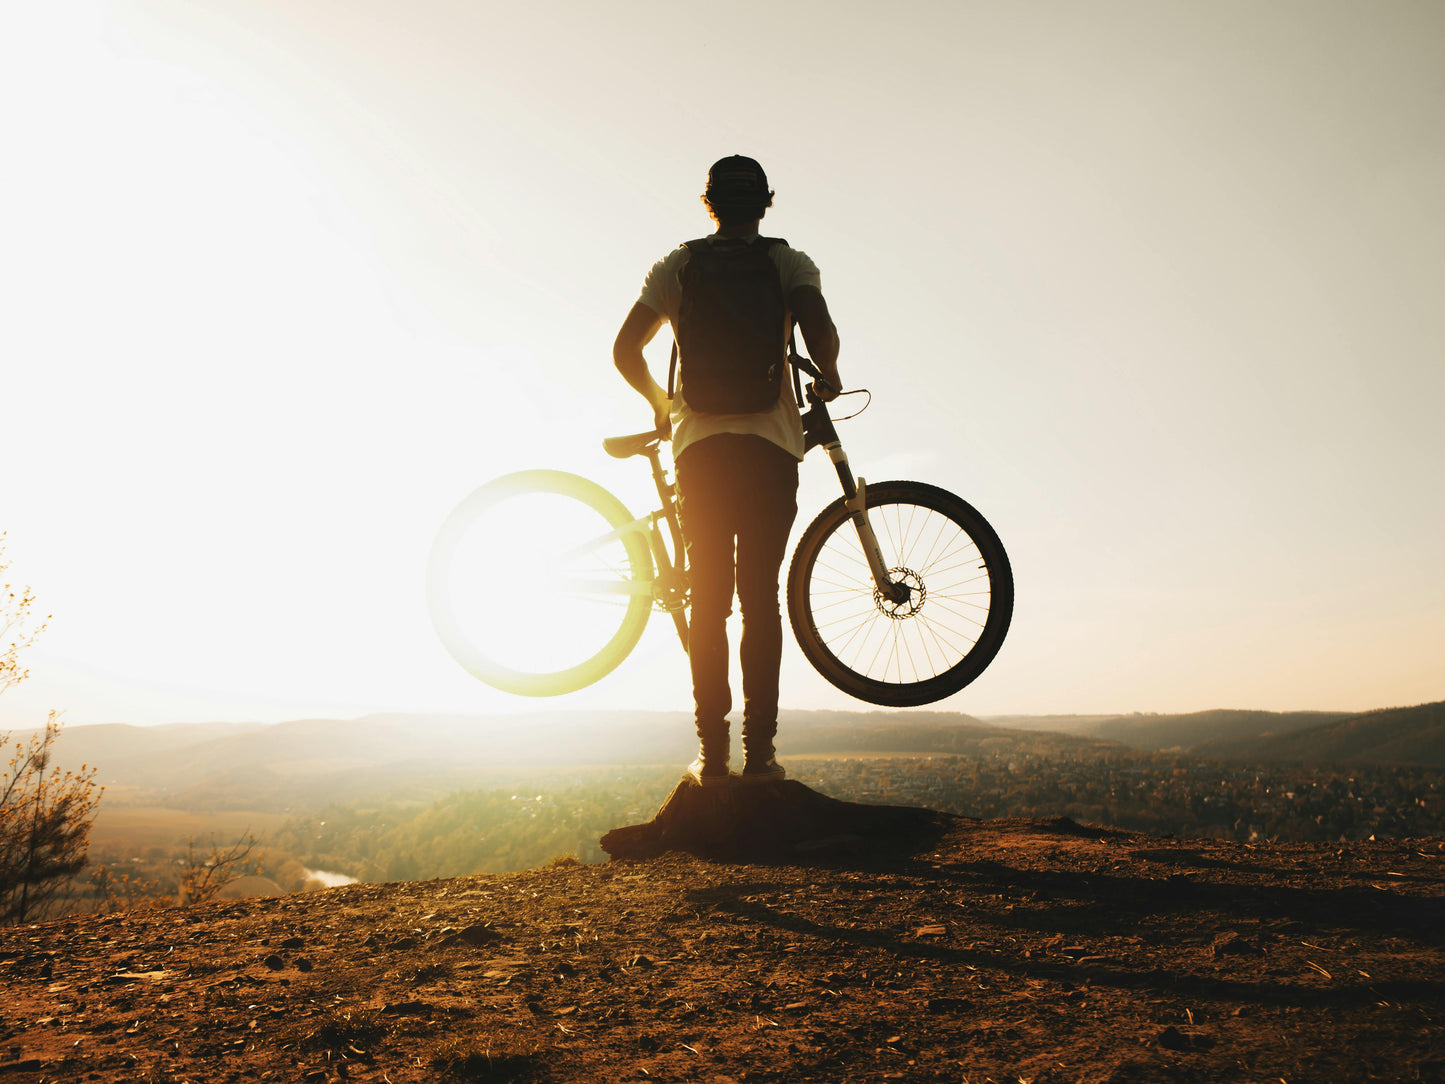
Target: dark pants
[(736, 494)]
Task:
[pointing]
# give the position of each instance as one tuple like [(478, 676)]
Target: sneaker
[(763, 771), (709, 773)]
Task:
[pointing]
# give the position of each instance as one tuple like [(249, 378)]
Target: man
[(737, 470)]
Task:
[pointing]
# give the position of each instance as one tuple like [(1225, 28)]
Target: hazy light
[(1156, 290)]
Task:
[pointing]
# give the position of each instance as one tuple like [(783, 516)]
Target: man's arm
[(637, 331), (819, 334)]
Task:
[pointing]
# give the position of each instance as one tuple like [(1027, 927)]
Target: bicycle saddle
[(635, 444)]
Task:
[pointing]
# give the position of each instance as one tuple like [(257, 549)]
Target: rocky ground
[(1004, 951)]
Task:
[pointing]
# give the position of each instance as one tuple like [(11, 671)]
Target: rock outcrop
[(771, 822)]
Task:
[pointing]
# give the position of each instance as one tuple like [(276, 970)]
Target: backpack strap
[(672, 362), (793, 365)]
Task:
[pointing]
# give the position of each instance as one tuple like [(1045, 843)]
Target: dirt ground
[(1005, 951)]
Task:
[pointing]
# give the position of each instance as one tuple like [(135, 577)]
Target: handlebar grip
[(806, 364), (812, 395)]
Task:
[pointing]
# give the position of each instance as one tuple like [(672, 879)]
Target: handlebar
[(817, 424), (807, 366)]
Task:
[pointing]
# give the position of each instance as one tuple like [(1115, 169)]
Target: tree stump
[(771, 822)]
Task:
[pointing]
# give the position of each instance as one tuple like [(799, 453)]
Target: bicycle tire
[(901, 655), (557, 592)]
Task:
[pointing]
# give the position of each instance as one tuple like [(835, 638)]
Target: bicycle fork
[(855, 499)]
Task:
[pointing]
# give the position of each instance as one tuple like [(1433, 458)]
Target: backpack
[(731, 332)]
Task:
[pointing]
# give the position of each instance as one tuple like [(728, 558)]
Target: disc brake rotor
[(901, 611)]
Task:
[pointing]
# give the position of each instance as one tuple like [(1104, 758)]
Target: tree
[(210, 871), (45, 819), (45, 813), (14, 635)]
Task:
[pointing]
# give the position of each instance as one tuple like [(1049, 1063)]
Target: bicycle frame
[(862, 614), (670, 586), (670, 590)]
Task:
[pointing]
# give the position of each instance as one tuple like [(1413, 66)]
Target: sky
[(1155, 286)]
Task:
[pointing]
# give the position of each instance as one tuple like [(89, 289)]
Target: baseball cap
[(736, 175)]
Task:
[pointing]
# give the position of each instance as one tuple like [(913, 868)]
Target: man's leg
[(703, 501), (763, 527)]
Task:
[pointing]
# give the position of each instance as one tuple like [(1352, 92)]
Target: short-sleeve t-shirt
[(662, 293)]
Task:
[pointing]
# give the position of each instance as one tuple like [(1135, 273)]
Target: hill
[(1037, 951), (208, 765), (1414, 735), (1196, 728), (307, 763), (1156, 733), (1405, 736)]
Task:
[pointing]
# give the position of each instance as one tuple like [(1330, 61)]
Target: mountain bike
[(541, 582)]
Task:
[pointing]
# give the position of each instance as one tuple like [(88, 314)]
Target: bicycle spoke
[(601, 542), (614, 586), (972, 620)]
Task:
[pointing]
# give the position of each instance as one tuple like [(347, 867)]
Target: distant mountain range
[(1413, 735), (388, 749), (1175, 732), (1389, 736), (387, 752)]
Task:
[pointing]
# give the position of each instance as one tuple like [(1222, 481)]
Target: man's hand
[(827, 392), (662, 417)]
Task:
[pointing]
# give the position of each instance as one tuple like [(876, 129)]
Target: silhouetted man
[(737, 438)]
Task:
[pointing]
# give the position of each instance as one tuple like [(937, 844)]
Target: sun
[(539, 583)]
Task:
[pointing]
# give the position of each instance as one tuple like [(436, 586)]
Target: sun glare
[(534, 590)]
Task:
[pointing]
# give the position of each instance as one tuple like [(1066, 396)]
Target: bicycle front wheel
[(540, 583), (901, 653)]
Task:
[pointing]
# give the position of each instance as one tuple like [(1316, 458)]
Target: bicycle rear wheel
[(540, 583), (899, 654)]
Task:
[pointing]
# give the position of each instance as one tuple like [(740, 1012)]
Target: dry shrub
[(340, 1029), (488, 1059)]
